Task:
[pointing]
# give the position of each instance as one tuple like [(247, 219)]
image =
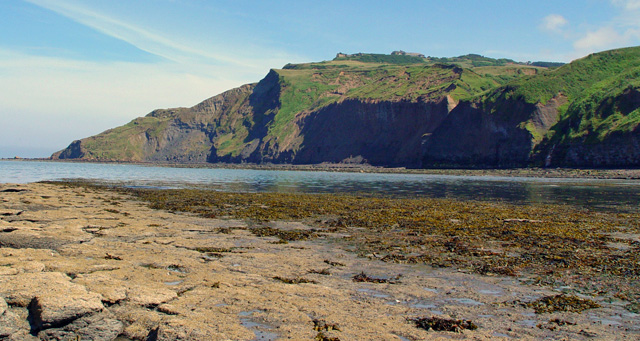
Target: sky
[(70, 69)]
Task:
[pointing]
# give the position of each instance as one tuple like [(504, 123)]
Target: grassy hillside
[(601, 111), (311, 86), (573, 79), (265, 118)]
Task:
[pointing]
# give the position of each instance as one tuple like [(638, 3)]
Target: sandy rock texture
[(77, 263)]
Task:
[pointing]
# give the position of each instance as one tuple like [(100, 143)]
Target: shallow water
[(588, 193)]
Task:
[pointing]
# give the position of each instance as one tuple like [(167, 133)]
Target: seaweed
[(442, 324), (285, 235), (322, 325), (294, 280), (363, 277), (488, 238), (561, 302), (322, 337), (332, 263), (212, 249), (325, 272)]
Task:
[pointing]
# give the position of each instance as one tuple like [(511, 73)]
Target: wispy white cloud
[(58, 100), (632, 5), (604, 38), (553, 23), (154, 41), (623, 29)]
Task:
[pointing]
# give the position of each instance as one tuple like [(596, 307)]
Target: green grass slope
[(265, 119), (588, 101)]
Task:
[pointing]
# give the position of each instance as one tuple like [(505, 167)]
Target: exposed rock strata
[(500, 134)]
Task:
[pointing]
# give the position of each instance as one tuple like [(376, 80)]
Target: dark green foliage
[(440, 324), (550, 304), (548, 64), (383, 58), (475, 60), (572, 79)]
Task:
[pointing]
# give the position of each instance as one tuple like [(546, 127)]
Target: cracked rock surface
[(79, 263)]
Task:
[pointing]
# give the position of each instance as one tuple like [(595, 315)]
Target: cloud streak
[(153, 41), (553, 23)]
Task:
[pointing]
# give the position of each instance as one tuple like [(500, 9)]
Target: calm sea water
[(589, 193)]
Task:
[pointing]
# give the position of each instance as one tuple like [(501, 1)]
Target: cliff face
[(295, 116), (495, 134), (583, 114), (379, 133), (599, 130)]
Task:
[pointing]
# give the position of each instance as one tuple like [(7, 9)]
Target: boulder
[(97, 327), (52, 299)]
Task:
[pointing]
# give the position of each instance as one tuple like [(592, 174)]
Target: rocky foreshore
[(80, 263)]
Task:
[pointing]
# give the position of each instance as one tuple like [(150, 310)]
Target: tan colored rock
[(3, 305), (50, 296), (149, 295), (10, 323), (96, 327), (147, 266), (112, 290)]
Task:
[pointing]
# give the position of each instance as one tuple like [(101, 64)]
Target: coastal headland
[(85, 262)]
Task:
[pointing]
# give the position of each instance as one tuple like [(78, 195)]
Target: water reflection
[(588, 193)]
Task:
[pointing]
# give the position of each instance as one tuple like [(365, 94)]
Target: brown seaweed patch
[(322, 337), (207, 249), (443, 324), (324, 272), (332, 263), (294, 280), (287, 235), (322, 325), (363, 277), (562, 302)]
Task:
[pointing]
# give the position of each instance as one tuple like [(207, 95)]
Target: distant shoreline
[(579, 173)]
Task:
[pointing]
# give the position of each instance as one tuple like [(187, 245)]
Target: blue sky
[(73, 68)]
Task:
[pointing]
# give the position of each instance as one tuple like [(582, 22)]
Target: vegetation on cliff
[(531, 118), (504, 103)]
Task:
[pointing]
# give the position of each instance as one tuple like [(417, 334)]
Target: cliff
[(401, 111), (584, 114), (337, 111)]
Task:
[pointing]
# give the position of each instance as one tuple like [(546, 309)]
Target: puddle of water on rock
[(528, 323), (372, 292), (466, 301), (496, 334), (423, 306), (491, 292), (173, 283), (402, 338), (260, 330), (247, 313), (610, 320), (177, 268)]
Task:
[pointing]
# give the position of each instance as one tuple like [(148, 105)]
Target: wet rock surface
[(117, 269)]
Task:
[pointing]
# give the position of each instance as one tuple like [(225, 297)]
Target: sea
[(593, 194)]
